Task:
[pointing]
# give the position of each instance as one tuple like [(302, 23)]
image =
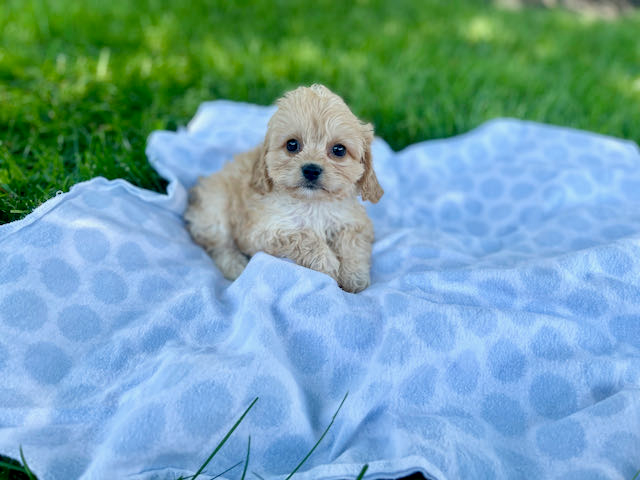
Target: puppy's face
[(316, 148)]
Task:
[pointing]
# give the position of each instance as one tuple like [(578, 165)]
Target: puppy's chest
[(325, 219)]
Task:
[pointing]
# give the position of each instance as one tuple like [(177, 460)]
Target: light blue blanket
[(500, 337)]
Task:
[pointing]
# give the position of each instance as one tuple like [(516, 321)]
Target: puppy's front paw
[(327, 262), (231, 264), (353, 282)]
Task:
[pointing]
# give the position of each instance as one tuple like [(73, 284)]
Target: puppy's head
[(315, 147)]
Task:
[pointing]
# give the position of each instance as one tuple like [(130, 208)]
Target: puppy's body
[(300, 205)]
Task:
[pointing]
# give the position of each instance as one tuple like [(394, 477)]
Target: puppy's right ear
[(260, 180), (369, 187)]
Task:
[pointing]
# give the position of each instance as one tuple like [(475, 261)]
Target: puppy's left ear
[(368, 184)]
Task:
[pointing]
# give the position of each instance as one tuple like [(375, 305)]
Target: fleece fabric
[(500, 337)]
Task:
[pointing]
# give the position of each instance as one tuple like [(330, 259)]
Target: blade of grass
[(224, 440), (8, 466), (227, 470), (320, 439), (190, 477), (5, 188), (246, 462), (28, 471), (636, 475), (362, 472), (259, 477)]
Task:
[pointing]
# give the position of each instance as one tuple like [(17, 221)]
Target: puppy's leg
[(208, 224), (353, 248), (306, 248), (228, 259)]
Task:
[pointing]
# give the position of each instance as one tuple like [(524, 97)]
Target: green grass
[(12, 470), (221, 444), (82, 84), (246, 461)]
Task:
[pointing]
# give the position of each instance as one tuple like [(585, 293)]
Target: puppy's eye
[(293, 145), (339, 150)]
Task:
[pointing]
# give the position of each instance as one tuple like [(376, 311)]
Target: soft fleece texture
[(500, 337)]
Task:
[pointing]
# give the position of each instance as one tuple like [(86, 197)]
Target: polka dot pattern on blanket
[(499, 337)]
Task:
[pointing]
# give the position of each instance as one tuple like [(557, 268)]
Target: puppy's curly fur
[(294, 196)]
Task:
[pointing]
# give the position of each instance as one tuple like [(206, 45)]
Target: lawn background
[(83, 83)]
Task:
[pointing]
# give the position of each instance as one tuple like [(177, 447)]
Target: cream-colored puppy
[(294, 196)]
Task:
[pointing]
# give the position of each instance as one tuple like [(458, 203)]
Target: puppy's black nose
[(311, 171)]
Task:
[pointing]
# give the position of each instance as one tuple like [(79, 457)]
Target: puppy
[(294, 196)]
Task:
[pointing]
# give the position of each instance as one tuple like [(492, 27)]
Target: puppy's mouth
[(309, 188), (312, 186)]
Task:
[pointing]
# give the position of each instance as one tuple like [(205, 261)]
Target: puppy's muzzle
[(311, 172)]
